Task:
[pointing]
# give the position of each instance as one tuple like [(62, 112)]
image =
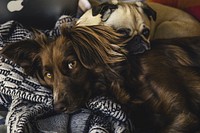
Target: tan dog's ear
[(103, 8), (94, 3), (23, 53), (147, 10)]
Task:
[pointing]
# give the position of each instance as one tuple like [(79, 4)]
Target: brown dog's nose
[(59, 107)]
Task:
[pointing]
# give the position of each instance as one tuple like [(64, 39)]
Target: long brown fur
[(166, 80)]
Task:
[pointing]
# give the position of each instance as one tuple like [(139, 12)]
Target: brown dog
[(73, 65), (161, 85)]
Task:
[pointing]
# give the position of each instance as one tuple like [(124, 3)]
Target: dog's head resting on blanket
[(76, 65), (131, 19)]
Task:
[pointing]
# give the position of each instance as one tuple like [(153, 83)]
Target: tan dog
[(148, 20)]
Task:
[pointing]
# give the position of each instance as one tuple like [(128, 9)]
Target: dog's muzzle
[(137, 45)]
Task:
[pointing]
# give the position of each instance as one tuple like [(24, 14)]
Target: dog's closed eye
[(124, 31)]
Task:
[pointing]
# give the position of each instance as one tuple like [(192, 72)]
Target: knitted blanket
[(27, 100)]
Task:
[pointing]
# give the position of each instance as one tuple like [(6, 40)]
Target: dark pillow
[(41, 14)]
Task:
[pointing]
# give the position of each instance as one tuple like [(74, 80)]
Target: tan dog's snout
[(137, 45)]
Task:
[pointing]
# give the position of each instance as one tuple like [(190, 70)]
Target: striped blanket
[(29, 104)]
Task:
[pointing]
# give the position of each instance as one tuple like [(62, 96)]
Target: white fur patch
[(114, 1), (88, 19)]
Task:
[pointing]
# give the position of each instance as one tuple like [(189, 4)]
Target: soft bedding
[(26, 106)]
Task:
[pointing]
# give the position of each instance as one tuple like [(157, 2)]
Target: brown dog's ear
[(23, 53), (147, 10), (96, 45), (103, 8)]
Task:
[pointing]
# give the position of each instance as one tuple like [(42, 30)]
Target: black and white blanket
[(30, 103)]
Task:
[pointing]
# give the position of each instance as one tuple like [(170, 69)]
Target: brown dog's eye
[(72, 64), (48, 75)]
